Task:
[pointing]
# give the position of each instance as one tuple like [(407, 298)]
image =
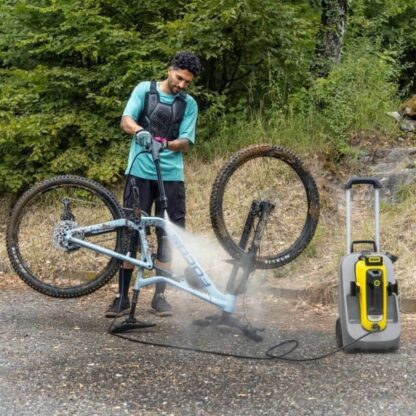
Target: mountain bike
[(67, 236)]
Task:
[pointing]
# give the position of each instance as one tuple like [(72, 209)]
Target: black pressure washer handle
[(364, 180)]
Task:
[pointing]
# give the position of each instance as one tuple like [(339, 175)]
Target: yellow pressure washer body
[(371, 288), (368, 292)]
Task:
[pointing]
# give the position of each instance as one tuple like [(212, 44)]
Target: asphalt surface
[(56, 358)]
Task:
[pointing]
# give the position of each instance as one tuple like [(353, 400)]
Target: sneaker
[(160, 305), (118, 308)]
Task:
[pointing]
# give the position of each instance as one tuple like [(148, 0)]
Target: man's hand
[(162, 141), (144, 139), (158, 145)]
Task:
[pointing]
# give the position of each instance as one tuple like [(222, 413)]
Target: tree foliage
[(391, 24), (67, 68)]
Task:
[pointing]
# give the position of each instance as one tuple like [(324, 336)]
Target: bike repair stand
[(131, 323), (237, 283)]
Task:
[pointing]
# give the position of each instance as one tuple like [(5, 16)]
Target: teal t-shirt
[(171, 162)]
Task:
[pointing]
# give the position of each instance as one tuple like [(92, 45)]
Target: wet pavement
[(56, 358)]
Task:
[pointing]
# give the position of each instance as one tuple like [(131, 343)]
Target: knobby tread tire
[(18, 263), (216, 203)]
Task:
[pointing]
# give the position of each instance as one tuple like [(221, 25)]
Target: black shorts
[(149, 197)]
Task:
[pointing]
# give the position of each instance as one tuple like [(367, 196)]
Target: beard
[(175, 89)]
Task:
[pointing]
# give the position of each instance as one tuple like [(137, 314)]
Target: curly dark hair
[(187, 60)]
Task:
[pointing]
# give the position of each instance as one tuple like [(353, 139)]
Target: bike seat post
[(242, 244), (134, 300), (247, 263), (136, 292)]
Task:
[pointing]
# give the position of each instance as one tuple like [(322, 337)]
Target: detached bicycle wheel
[(265, 173), (36, 228)]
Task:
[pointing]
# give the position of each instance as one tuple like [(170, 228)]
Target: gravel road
[(56, 358)]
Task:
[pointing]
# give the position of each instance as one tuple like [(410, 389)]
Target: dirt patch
[(10, 282)]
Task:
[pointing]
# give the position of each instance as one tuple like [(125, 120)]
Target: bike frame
[(75, 237)]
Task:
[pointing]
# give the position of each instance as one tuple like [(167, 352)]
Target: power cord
[(268, 353)]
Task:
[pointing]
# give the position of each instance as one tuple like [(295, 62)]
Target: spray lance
[(155, 149)]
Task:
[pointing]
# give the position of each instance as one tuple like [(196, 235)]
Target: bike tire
[(35, 225), (273, 173)]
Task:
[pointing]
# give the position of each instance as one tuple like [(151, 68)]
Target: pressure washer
[(368, 290)]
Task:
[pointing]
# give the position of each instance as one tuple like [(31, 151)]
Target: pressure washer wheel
[(338, 333)]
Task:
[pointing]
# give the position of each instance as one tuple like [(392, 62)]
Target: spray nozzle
[(164, 202)]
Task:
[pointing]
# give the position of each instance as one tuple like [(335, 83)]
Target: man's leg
[(175, 194)]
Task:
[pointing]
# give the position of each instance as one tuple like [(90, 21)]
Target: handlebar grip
[(357, 180)]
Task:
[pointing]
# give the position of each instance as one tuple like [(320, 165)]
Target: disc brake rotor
[(59, 235)]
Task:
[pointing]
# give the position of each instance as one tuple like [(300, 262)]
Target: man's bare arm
[(179, 145), (129, 125)]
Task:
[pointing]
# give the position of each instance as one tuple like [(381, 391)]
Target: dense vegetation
[(68, 67)]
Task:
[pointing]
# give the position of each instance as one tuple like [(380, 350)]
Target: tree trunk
[(330, 36)]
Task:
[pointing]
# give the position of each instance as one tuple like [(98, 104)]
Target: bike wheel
[(35, 230), (265, 173)]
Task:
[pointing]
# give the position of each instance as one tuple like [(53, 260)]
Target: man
[(162, 111)]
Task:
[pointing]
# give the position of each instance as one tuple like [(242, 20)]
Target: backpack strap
[(153, 87)]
